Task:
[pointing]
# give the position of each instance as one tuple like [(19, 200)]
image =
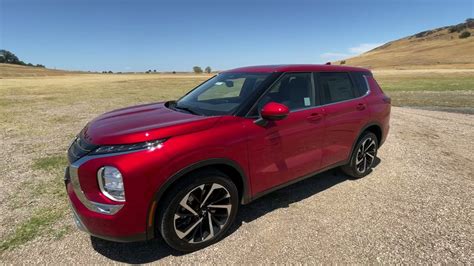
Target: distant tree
[(464, 35), (154, 70), (197, 69), (174, 72), (40, 65), (110, 72), (343, 62), (208, 69), (9, 57)]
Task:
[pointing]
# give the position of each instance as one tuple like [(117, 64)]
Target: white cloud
[(363, 47), (351, 52)]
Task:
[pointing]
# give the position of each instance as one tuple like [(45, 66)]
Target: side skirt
[(263, 193)]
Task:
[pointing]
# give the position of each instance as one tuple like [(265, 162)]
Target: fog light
[(111, 183)]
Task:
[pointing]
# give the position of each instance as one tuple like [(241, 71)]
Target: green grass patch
[(439, 92), (50, 163), (36, 225), (433, 83)]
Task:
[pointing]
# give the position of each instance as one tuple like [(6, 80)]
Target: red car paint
[(305, 142)]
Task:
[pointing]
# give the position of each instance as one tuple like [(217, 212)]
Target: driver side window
[(294, 90)]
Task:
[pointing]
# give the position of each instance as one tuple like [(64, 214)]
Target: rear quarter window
[(361, 82)]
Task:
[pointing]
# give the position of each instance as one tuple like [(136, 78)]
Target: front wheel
[(363, 157), (199, 210)]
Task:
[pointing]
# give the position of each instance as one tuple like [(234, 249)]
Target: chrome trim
[(108, 209), (101, 184)]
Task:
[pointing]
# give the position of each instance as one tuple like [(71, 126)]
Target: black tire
[(190, 192), (355, 167)]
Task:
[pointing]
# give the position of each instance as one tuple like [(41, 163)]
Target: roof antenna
[(328, 63)]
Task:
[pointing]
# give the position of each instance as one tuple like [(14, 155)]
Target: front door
[(290, 148)]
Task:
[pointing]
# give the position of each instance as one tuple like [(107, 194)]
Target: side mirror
[(272, 111)]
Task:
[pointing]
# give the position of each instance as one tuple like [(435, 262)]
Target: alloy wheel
[(202, 213), (365, 155)]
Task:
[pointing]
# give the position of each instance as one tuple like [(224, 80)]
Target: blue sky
[(137, 35)]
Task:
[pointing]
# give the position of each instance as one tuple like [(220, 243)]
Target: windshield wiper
[(186, 109)]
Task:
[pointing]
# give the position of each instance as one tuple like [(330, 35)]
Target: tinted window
[(361, 82), (336, 87), (294, 90)]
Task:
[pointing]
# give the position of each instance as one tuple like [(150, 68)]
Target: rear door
[(346, 113)]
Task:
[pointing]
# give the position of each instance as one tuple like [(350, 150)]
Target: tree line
[(10, 58), (198, 69)]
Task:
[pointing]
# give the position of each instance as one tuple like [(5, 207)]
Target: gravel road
[(415, 207)]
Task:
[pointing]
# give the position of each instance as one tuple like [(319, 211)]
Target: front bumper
[(80, 225), (107, 221)]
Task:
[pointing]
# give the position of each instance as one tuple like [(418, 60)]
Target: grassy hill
[(14, 71), (437, 48)]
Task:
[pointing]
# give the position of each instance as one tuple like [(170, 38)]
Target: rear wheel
[(199, 210), (363, 156)]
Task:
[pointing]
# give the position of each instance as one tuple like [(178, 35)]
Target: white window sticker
[(307, 102), (219, 83)]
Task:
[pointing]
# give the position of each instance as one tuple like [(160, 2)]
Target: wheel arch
[(227, 166), (373, 127)]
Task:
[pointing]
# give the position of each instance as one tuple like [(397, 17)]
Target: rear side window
[(336, 87)]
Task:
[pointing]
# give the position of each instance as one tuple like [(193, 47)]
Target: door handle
[(315, 117), (361, 106)]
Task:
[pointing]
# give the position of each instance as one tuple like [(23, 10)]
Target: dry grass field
[(40, 115)]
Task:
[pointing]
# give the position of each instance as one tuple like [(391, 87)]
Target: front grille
[(79, 148)]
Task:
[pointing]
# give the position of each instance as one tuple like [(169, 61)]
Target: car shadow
[(153, 250)]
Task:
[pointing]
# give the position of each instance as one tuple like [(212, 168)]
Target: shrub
[(197, 69), (464, 35), (343, 62)]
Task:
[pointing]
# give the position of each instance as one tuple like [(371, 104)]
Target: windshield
[(222, 94)]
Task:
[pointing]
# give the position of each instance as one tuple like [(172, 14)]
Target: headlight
[(111, 183), (150, 145)]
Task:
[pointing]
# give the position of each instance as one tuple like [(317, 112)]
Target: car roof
[(296, 68)]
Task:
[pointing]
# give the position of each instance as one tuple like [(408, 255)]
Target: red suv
[(182, 168)]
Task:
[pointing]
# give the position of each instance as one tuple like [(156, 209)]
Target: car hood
[(143, 123)]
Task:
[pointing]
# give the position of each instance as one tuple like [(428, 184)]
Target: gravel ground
[(415, 207)]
